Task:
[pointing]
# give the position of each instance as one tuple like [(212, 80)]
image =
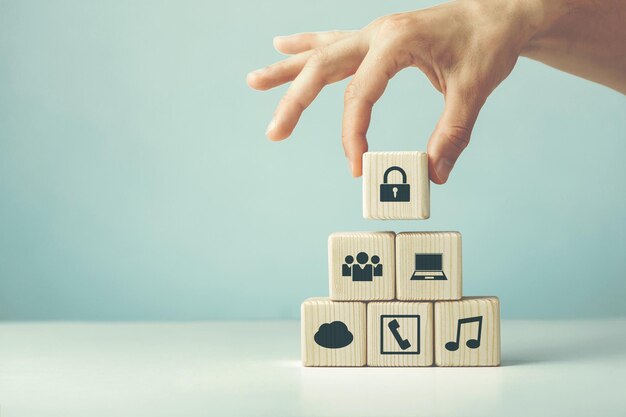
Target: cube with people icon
[(396, 185), (362, 265)]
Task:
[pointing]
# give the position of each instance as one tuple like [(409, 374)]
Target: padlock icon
[(395, 192)]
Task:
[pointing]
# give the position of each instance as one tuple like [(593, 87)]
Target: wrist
[(523, 20), (535, 17), (546, 17)]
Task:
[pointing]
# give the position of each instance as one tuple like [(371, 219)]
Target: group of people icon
[(364, 270)]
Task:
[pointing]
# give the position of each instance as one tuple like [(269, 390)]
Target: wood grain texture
[(447, 315), (350, 244), (316, 312), (448, 244), (415, 165), (416, 324)]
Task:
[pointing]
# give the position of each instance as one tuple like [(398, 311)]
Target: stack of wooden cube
[(396, 299)]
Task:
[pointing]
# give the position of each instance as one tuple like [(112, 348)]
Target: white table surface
[(252, 369)]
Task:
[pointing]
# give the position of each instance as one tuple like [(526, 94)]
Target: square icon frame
[(382, 333)]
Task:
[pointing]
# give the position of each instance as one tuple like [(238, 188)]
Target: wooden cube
[(396, 185), (400, 334), (428, 266), (467, 332), (333, 333), (362, 265)]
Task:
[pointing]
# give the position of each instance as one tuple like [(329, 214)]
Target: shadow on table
[(536, 342)]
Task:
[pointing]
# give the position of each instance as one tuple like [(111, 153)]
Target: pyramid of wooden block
[(396, 299)]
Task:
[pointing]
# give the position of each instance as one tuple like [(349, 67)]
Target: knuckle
[(375, 24), (318, 64), (334, 34), (458, 136), (392, 24), (352, 92), (291, 101), (347, 138), (355, 93), (319, 58), (345, 141), (353, 143)]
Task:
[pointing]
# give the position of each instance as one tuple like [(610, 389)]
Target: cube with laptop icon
[(428, 266)]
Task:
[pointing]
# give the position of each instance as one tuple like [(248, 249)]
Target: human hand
[(465, 48)]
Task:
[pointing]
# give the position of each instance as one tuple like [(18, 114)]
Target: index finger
[(367, 86)]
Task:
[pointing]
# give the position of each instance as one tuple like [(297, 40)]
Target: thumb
[(453, 131)]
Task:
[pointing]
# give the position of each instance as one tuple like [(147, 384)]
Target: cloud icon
[(333, 335)]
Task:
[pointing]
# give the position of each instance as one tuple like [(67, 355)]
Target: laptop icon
[(428, 267)]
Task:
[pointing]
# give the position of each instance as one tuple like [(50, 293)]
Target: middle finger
[(330, 64)]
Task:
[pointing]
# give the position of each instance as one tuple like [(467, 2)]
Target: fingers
[(452, 134), (278, 73), (300, 42), (366, 87), (303, 47), (327, 65)]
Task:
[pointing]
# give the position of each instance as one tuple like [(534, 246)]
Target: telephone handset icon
[(403, 343)]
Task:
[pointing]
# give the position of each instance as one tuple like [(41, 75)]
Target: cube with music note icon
[(467, 332)]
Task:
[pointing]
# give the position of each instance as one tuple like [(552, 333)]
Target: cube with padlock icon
[(396, 185), (395, 192)]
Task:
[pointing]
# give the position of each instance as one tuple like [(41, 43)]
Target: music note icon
[(471, 343)]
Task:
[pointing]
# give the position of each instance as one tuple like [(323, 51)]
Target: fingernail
[(276, 39), (442, 168), (271, 126), (351, 163)]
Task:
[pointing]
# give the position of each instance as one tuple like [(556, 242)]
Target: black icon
[(394, 192), (394, 326), (428, 267), (333, 335), (393, 323), (362, 271), (471, 343)]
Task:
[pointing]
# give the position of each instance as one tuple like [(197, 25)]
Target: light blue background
[(136, 182)]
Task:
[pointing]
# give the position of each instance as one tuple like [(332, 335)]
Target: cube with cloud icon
[(333, 333)]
